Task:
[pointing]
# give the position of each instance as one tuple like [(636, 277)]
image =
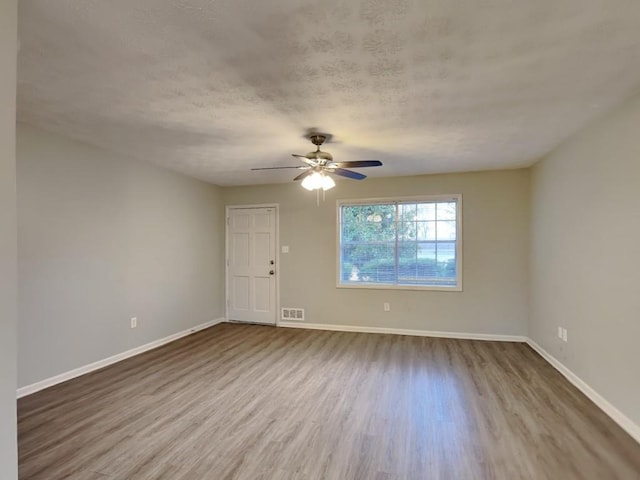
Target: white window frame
[(423, 198)]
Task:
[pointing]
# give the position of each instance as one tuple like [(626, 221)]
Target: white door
[(251, 267)]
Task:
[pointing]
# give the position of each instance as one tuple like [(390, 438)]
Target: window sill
[(374, 286)]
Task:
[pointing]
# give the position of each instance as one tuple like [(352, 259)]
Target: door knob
[(271, 272)]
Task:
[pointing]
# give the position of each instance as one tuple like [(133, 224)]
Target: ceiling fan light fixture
[(327, 183), (318, 181), (312, 182)]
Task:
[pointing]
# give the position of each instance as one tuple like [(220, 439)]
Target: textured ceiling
[(213, 88)]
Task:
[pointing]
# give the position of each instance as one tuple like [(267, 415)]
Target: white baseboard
[(76, 372), (402, 331), (616, 415)]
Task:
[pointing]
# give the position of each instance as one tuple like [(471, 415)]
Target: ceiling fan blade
[(278, 168), (357, 164), (303, 174), (346, 173), (305, 159)]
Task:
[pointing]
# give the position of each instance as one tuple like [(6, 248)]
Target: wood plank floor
[(252, 402)]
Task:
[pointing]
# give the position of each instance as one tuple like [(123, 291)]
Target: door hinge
[(228, 220)]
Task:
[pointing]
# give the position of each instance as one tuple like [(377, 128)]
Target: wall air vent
[(296, 314)]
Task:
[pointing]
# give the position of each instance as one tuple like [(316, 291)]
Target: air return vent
[(296, 314)]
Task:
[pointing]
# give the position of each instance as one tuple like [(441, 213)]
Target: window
[(402, 243)]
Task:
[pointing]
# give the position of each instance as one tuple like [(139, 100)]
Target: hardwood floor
[(251, 402)]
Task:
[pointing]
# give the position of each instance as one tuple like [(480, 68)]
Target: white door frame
[(227, 209)]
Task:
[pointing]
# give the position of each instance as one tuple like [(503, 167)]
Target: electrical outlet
[(134, 322), (386, 307), (564, 334)]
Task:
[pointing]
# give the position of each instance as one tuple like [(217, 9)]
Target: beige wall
[(8, 48), (103, 239), (585, 256), (495, 257)]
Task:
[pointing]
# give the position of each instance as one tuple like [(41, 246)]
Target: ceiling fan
[(319, 163)]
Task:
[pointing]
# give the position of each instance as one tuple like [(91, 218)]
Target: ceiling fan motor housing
[(319, 155)]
